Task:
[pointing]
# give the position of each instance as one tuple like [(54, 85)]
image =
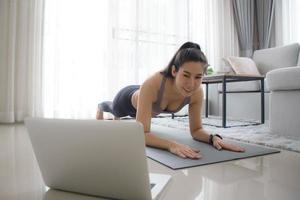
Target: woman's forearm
[(178, 149), (155, 141), (201, 135)]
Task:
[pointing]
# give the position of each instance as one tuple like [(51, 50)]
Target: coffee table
[(226, 78)]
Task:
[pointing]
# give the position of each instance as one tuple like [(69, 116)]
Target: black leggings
[(121, 105)]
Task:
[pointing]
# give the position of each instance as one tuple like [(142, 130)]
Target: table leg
[(224, 102), (262, 92), (206, 101)]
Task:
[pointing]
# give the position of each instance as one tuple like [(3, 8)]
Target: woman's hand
[(219, 144), (184, 151)]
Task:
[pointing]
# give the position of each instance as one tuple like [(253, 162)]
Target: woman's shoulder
[(152, 84), (154, 80), (197, 96)]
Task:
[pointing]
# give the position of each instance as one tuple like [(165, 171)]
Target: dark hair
[(189, 51)]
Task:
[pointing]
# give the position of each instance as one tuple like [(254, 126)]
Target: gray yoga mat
[(209, 154)]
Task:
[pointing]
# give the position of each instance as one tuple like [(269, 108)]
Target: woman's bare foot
[(99, 115)]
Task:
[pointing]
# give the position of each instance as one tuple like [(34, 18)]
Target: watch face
[(211, 136)]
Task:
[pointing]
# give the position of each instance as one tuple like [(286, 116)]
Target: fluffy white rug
[(240, 130)]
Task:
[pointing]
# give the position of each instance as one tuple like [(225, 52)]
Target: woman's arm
[(195, 120), (147, 95), (196, 129)]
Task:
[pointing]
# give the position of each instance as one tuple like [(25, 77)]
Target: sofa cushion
[(246, 86), (225, 67), (249, 86), (242, 65), (278, 57), (298, 64), (284, 79)]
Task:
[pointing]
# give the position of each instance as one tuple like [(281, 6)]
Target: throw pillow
[(226, 67), (243, 65)]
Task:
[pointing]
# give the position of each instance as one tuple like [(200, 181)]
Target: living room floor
[(273, 176)]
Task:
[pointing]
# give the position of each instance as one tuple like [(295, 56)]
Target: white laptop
[(99, 158)]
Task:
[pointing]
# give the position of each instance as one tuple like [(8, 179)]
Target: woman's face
[(188, 78)]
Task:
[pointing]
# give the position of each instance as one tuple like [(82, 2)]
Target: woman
[(168, 91)]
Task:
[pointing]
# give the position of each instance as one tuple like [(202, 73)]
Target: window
[(93, 48)]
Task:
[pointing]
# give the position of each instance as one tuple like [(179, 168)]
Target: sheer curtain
[(215, 30), (287, 18), (20, 59), (94, 48)]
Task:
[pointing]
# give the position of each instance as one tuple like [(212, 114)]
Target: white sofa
[(243, 99), (284, 85)]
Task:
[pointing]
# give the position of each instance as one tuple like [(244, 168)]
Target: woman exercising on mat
[(168, 91)]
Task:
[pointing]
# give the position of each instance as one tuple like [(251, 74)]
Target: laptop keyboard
[(152, 185)]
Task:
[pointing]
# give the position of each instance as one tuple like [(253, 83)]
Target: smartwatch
[(211, 137)]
